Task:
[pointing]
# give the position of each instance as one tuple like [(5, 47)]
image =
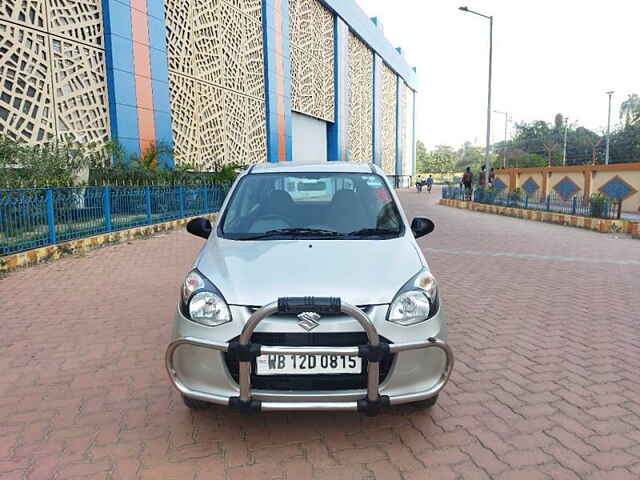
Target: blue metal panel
[(157, 33), (159, 66), (362, 25), (377, 109), (155, 8), (117, 17), (338, 131), (160, 96), (125, 124), (164, 135), (277, 87), (119, 52), (120, 77), (123, 89)]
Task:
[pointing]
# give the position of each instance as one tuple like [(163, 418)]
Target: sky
[(549, 57)]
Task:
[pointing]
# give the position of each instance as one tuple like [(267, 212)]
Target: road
[(543, 319)]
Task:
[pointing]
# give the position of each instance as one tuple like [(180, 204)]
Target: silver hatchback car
[(310, 293)]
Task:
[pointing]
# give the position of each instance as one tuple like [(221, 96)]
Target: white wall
[(309, 140)]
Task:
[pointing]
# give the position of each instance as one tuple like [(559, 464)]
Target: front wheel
[(194, 404), (428, 403)]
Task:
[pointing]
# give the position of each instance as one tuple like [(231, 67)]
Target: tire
[(428, 403), (194, 404)]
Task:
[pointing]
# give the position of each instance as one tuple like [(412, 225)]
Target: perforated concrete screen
[(216, 75), (52, 70)]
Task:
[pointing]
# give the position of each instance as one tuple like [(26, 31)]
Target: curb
[(18, 260), (596, 224)]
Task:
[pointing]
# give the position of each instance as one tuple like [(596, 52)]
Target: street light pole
[(488, 144), (606, 157), (504, 150), (564, 153)]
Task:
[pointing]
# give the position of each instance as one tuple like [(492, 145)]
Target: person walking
[(467, 182), (482, 180), (492, 178), (429, 183)]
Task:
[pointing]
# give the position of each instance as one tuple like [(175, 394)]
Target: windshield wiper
[(302, 232), (373, 232)]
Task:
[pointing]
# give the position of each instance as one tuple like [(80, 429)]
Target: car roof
[(301, 167)]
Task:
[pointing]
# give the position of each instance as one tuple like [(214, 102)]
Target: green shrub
[(597, 205), (67, 163)]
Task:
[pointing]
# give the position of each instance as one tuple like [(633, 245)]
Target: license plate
[(279, 364)]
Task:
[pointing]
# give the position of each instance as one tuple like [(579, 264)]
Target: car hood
[(361, 272)]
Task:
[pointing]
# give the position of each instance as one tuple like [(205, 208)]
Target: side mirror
[(421, 226), (200, 227)]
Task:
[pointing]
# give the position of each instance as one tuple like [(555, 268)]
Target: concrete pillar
[(338, 131)]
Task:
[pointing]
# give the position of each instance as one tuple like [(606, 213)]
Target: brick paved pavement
[(546, 385)]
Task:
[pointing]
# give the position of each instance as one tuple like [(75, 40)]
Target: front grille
[(310, 382)]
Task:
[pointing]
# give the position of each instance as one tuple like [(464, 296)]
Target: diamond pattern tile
[(499, 184), (617, 189), (530, 186), (566, 188)]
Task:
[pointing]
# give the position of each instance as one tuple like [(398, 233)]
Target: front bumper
[(195, 364)]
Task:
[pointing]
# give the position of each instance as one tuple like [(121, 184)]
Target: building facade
[(219, 81)]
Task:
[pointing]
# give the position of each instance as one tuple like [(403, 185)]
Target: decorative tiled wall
[(403, 153), (216, 74), (389, 114), (360, 101), (311, 51), (52, 71), (617, 182)]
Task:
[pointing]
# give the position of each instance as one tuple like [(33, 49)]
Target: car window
[(348, 204)]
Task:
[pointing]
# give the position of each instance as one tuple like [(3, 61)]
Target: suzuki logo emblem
[(308, 320)]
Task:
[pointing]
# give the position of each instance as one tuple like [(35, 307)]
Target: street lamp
[(564, 150), (488, 145), (606, 157), (504, 150)]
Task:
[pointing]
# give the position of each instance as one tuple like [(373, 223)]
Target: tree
[(559, 121), (421, 157), (630, 109), (469, 156), (625, 144), (441, 160)]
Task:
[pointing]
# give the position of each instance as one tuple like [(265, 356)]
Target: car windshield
[(350, 206)]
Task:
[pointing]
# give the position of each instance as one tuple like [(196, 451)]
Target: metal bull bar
[(247, 352)]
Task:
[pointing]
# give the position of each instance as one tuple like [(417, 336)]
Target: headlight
[(209, 309), (202, 302), (416, 301)]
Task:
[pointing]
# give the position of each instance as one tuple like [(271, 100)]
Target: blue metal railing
[(32, 218), (552, 202)]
